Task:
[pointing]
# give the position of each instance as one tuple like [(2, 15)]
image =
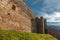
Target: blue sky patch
[(50, 9)]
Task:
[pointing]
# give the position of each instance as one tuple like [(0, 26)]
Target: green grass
[(14, 35)]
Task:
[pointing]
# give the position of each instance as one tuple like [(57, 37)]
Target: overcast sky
[(50, 9)]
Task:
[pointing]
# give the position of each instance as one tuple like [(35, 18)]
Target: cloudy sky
[(50, 9)]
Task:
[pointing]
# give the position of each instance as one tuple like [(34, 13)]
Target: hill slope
[(14, 35)]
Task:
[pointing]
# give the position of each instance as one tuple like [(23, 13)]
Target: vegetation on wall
[(15, 35)]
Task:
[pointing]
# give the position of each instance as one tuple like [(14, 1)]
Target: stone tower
[(15, 15), (41, 25)]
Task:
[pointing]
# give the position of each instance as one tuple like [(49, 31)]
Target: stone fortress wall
[(16, 15)]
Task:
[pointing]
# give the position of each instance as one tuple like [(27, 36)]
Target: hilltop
[(15, 35)]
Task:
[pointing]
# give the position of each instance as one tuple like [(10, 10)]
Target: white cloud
[(46, 7), (53, 17)]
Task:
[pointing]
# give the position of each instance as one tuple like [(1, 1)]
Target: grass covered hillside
[(14, 35)]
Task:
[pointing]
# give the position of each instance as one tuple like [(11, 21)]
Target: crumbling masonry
[(16, 15)]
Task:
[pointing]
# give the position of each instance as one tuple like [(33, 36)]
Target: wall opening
[(13, 7), (8, 14), (1, 0), (46, 31)]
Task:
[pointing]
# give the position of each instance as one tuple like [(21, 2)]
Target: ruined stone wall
[(14, 15), (41, 25)]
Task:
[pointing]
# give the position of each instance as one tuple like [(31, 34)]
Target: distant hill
[(53, 27), (14, 35)]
